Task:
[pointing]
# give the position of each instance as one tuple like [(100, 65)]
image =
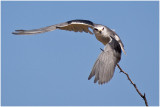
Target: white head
[(100, 29)]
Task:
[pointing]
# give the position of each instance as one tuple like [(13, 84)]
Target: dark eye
[(103, 28), (95, 29)]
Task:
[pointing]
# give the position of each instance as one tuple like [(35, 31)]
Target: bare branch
[(143, 96)]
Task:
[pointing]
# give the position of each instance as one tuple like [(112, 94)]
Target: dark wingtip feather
[(95, 80), (13, 33), (89, 78), (17, 32)]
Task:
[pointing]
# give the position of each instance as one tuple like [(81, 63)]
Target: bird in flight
[(106, 62)]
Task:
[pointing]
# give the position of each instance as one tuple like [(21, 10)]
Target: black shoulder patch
[(115, 45), (81, 21)]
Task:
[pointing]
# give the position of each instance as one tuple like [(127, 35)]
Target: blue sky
[(52, 68)]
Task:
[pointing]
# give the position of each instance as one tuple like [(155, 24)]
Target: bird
[(104, 67)]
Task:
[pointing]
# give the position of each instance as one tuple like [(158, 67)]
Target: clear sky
[(52, 68)]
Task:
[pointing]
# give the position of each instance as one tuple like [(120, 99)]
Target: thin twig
[(143, 96)]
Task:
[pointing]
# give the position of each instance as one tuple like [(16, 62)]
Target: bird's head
[(100, 29)]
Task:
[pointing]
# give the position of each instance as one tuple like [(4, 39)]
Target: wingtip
[(14, 33), (17, 32), (89, 77)]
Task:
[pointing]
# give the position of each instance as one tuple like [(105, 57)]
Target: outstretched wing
[(73, 25), (105, 64)]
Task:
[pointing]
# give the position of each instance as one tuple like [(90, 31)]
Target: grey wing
[(104, 66), (73, 25)]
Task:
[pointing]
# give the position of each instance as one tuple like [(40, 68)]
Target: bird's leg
[(102, 49)]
